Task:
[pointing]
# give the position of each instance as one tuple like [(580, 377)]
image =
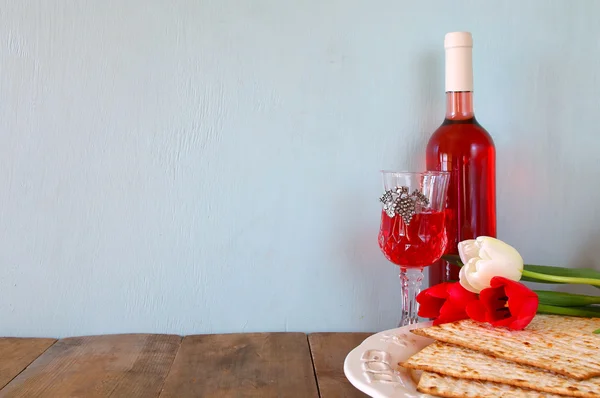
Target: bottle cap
[(458, 39), (459, 61)]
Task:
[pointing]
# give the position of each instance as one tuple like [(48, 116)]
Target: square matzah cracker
[(447, 386), (464, 363), (565, 345)]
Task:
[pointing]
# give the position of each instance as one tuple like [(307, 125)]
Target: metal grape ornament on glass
[(398, 201)]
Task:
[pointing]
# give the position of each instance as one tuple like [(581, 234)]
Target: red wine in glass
[(417, 244), (412, 233)]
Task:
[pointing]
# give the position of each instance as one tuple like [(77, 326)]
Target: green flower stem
[(563, 271), (572, 311), (539, 273), (561, 279)]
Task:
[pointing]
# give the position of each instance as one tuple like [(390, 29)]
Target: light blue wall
[(212, 166)]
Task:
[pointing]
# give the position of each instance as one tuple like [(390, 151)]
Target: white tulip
[(484, 258)]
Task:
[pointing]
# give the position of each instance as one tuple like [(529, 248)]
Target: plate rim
[(371, 389)]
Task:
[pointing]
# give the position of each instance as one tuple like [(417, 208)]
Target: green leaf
[(586, 312), (453, 259), (597, 331), (565, 299)]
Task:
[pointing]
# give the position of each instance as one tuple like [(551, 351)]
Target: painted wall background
[(212, 166)]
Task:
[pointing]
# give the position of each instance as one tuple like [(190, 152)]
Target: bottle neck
[(459, 105), (459, 76)]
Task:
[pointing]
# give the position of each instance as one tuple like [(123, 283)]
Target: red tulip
[(505, 303), (445, 302)]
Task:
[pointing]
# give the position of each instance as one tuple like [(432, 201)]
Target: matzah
[(564, 345), (448, 386), (468, 364)]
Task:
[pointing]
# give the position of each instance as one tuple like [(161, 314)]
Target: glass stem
[(410, 280)]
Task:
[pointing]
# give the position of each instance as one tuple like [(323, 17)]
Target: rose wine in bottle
[(465, 149)]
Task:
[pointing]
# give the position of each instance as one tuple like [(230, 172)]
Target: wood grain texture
[(17, 353), (128, 366), (242, 365), (328, 352)]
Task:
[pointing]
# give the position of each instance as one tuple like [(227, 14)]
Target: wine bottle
[(465, 149)]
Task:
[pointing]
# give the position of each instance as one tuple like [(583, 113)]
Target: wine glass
[(412, 234)]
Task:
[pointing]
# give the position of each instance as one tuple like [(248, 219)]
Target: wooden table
[(156, 365)]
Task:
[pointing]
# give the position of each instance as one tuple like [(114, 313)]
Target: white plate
[(372, 367)]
